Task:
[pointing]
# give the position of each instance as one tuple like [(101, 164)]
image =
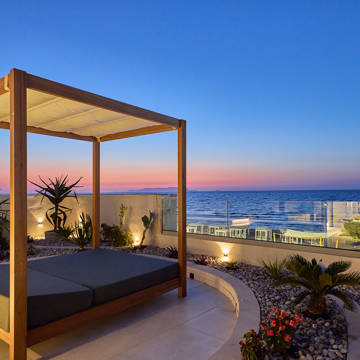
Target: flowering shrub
[(275, 338), (253, 347), (279, 330)]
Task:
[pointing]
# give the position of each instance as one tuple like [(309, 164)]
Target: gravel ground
[(38, 252), (320, 339)]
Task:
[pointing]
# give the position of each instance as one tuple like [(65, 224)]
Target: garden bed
[(316, 339)]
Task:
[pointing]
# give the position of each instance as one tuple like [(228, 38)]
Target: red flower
[(273, 323), (252, 330), (292, 323), (287, 337), (270, 333), (282, 328), (242, 345)]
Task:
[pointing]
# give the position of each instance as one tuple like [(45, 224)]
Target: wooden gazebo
[(32, 104)]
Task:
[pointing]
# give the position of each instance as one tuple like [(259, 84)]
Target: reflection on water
[(299, 217)]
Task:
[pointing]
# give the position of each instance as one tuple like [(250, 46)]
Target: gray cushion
[(110, 274), (49, 298)]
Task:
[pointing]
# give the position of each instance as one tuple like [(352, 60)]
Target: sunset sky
[(270, 89)]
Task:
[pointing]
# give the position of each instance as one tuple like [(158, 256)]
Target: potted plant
[(56, 191)]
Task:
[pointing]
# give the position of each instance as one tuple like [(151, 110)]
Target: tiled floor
[(165, 328)]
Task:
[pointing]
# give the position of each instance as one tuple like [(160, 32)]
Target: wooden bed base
[(82, 318)]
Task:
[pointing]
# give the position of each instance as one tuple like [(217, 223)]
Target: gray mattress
[(109, 274), (49, 298)]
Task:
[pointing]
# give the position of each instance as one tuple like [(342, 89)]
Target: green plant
[(82, 232), (106, 231), (172, 252), (231, 265), (252, 347), (352, 227), (66, 232), (4, 224), (147, 221), (274, 269), (30, 241), (56, 191), (201, 260), (117, 236), (4, 212), (319, 281), (122, 214)]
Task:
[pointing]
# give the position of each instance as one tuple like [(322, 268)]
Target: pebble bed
[(320, 339), (315, 339)]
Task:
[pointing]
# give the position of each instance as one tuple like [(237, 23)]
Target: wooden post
[(96, 195), (182, 207), (18, 215)]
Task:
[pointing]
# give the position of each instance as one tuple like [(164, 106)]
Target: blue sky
[(270, 89)]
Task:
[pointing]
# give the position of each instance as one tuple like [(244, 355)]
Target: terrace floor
[(165, 328)]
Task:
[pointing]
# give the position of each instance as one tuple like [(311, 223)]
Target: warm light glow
[(40, 221), (137, 240), (225, 252), (225, 258)]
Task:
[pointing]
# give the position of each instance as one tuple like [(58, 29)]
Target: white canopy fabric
[(63, 115)]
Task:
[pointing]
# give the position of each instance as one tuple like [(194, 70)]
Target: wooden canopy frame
[(17, 83)]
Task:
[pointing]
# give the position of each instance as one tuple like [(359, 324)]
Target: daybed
[(32, 104), (64, 285)]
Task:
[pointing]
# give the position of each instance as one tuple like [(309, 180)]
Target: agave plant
[(319, 281), (147, 221), (56, 191)]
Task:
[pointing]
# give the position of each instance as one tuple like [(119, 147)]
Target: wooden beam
[(5, 336), (4, 84), (182, 207), (41, 131), (98, 312), (18, 215), (96, 195), (138, 132), (68, 92)]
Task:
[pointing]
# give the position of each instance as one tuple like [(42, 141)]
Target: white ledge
[(245, 304)]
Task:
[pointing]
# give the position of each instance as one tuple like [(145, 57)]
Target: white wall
[(252, 252), (138, 205)]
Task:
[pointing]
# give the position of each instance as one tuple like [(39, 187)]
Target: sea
[(305, 210)]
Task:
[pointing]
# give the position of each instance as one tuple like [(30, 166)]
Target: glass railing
[(259, 216)]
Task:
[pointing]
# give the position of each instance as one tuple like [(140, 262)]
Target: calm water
[(301, 210)]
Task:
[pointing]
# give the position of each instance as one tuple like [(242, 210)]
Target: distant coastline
[(173, 190)]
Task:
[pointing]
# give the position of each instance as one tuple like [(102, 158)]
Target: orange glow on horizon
[(204, 176)]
